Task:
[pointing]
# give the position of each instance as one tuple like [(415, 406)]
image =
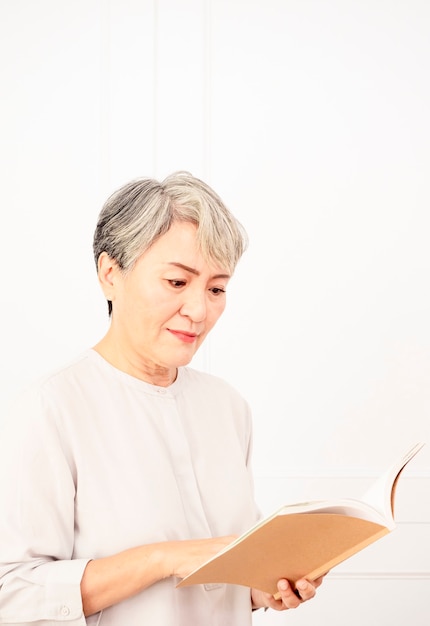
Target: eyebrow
[(192, 270)]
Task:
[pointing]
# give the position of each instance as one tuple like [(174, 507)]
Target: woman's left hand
[(287, 597)]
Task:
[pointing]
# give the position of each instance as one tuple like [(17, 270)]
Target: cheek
[(215, 313)]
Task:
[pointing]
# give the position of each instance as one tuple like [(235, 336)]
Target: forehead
[(180, 247)]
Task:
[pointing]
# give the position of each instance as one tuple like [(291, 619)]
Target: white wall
[(310, 118)]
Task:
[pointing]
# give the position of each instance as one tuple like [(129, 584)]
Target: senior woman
[(125, 469)]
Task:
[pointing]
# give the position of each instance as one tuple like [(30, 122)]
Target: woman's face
[(166, 305)]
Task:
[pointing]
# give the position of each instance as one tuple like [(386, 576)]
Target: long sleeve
[(39, 581), (93, 462)]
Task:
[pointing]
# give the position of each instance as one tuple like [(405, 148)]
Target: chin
[(185, 359)]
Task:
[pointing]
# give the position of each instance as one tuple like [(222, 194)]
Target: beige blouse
[(94, 461)]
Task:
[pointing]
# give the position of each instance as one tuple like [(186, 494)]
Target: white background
[(311, 119)]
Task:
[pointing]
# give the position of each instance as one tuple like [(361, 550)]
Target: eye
[(177, 283), (217, 290)]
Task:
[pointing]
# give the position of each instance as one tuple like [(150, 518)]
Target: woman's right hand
[(109, 580), (183, 557)]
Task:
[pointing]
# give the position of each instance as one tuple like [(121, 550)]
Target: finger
[(305, 589), (287, 595), (318, 581)]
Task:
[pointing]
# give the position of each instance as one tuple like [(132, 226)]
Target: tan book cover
[(305, 540)]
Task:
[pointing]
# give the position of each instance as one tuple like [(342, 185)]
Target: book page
[(381, 493), (349, 508)]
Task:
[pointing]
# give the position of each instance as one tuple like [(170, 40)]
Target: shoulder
[(203, 380), (33, 400), (215, 394), (216, 406)]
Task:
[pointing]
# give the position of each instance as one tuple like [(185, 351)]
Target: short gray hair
[(143, 210)]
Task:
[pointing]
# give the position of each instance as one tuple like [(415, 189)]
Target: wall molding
[(399, 575), (343, 473)]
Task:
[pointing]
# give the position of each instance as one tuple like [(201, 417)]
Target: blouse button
[(65, 611)]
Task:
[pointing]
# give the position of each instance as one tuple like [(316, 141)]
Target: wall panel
[(128, 73), (181, 97), (50, 159), (358, 602), (311, 120)]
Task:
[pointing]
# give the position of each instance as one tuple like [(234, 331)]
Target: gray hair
[(143, 210)]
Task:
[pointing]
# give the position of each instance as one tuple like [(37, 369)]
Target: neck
[(134, 365)]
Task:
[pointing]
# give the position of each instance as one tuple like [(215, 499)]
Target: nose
[(194, 305)]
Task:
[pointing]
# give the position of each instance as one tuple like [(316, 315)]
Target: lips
[(183, 335)]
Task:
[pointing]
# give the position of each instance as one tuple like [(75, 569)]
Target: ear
[(107, 271)]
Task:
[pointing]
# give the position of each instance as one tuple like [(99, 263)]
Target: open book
[(305, 540)]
